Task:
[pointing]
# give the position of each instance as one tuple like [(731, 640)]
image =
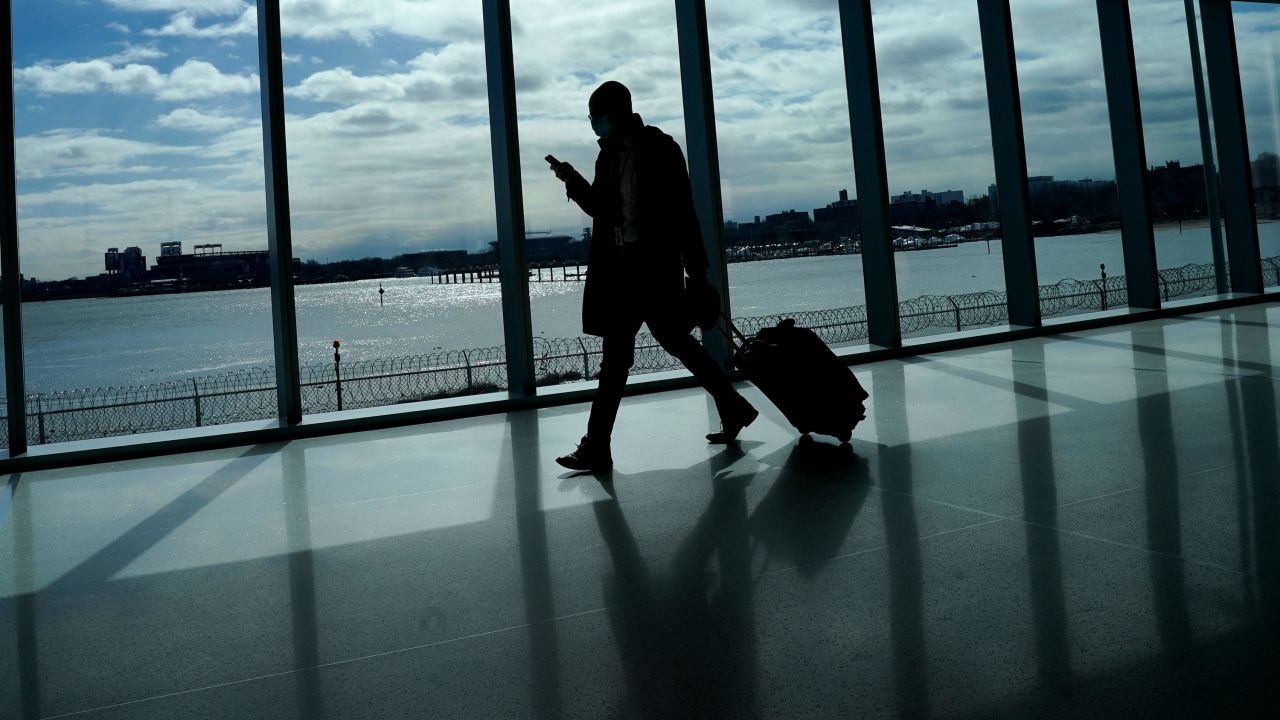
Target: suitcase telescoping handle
[(733, 332)]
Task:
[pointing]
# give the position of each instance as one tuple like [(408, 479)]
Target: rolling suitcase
[(802, 377)]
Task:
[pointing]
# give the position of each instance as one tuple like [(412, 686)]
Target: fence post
[(40, 418), (467, 359), (957, 309), (195, 390), (337, 372), (1103, 267), (1164, 286), (586, 364)]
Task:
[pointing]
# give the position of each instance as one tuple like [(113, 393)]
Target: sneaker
[(591, 456), (733, 423)]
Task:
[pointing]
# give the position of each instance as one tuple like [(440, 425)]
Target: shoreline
[(1188, 224)]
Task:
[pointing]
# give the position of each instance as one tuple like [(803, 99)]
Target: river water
[(130, 341)]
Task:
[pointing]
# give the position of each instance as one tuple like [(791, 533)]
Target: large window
[(141, 216), (563, 51), (1171, 128), (938, 150), (143, 227), (1075, 218), (786, 165), (391, 186), (1258, 48)]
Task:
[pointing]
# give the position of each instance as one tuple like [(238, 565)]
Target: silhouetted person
[(645, 241)]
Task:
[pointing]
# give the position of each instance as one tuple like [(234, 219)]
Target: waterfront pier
[(489, 274)]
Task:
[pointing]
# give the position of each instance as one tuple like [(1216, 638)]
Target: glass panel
[(1258, 48), (563, 52), (391, 184), (1171, 127), (938, 147), (786, 166), (141, 217), (1069, 162)]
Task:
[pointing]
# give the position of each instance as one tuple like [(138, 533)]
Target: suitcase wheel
[(845, 436)]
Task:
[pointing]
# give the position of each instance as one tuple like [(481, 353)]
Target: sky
[(138, 120)]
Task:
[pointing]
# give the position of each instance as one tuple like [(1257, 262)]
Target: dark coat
[(647, 281)]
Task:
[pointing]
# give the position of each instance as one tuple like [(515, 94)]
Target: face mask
[(601, 126)]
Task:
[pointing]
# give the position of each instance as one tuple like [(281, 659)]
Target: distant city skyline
[(138, 120)]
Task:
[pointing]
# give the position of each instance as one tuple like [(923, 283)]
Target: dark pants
[(618, 355)]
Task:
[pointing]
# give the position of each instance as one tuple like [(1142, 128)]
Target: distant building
[(787, 219), (1037, 183), (129, 266), (1177, 190), (907, 198), (1266, 184), (436, 259), (211, 266), (940, 198), (949, 196), (546, 248), (841, 215), (1266, 171)]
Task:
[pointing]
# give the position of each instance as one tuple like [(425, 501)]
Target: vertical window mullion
[(1013, 198), (867, 129), (508, 199), (284, 319), (702, 151), (1243, 255), (1130, 155), (11, 292)]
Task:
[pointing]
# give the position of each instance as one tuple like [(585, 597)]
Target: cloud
[(198, 7), (340, 85), (184, 24), (454, 72), (92, 76), (434, 20), (191, 80), (362, 22), (371, 122), (130, 53), (199, 79), (71, 152), (188, 118)]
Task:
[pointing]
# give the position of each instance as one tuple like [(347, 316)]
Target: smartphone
[(551, 160)]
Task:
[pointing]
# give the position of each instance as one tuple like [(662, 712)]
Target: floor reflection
[(1160, 490), (302, 582), (1040, 509), (686, 635), (1258, 403), (902, 535), (535, 565), (24, 605), (685, 628)]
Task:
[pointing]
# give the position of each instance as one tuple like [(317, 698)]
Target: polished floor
[(1081, 526)]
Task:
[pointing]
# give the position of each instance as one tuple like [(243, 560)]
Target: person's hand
[(563, 171)]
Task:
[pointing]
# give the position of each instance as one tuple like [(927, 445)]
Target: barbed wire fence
[(250, 394)]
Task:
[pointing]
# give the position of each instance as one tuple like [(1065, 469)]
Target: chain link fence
[(250, 394)]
